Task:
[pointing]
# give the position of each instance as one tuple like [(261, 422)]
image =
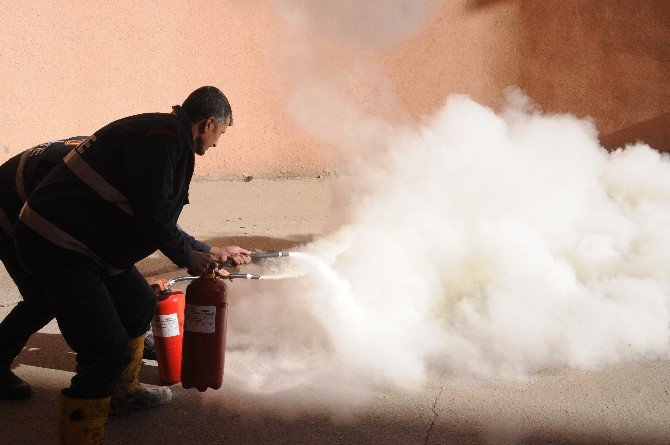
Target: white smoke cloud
[(379, 25), (335, 88), (479, 243), (486, 244)]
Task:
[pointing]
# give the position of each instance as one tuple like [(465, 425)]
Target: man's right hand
[(201, 262)]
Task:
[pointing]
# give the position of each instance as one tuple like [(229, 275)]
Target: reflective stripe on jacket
[(120, 194)]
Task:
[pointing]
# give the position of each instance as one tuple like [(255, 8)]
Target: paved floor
[(626, 404)]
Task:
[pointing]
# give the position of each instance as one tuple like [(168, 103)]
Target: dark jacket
[(121, 191), (38, 162)]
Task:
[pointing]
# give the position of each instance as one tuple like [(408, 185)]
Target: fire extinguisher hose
[(256, 256), (232, 276)]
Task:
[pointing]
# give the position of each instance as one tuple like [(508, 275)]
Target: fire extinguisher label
[(165, 325), (200, 319)]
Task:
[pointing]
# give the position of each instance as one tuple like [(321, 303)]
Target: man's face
[(209, 133)]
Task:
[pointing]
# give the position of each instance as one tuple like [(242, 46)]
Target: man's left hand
[(235, 253)]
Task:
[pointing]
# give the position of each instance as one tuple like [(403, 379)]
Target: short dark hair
[(208, 102)]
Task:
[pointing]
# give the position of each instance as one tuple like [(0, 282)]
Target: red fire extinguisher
[(204, 333), (168, 329)]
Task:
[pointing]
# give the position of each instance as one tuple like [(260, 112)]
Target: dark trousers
[(27, 317), (97, 314)]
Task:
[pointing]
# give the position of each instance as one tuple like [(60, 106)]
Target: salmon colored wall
[(471, 47), (70, 66), (607, 59)]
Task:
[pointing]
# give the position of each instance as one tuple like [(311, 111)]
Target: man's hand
[(235, 253), (201, 262), (224, 273)]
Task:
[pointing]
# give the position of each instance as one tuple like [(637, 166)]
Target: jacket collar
[(185, 123)]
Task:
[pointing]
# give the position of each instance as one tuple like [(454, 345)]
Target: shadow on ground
[(52, 352), (235, 416)]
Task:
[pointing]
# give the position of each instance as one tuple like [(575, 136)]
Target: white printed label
[(200, 319), (165, 325)]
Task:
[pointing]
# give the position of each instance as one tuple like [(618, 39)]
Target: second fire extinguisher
[(168, 329), (204, 333)]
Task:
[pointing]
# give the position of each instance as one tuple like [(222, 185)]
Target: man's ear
[(210, 123)]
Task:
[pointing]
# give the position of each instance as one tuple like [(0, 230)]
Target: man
[(113, 201), (18, 177)]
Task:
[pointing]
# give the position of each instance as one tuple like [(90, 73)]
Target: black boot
[(12, 387)]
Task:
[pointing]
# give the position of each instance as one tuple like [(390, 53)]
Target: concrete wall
[(607, 59), (69, 67)]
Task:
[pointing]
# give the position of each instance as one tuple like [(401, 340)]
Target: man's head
[(210, 114)]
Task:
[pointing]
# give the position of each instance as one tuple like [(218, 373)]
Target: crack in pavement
[(432, 423)]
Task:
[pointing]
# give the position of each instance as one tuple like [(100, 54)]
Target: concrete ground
[(626, 404)]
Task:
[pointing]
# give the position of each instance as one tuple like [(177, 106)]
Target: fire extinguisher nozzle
[(261, 255)]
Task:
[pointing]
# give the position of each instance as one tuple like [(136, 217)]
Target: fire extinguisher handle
[(227, 263)]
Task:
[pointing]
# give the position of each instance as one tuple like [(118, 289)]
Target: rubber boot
[(149, 347), (12, 387), (130, 394), (81, 421)]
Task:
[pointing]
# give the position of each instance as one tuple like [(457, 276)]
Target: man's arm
[(194, 243), (150, 166), (219, 254), (150, 163)]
